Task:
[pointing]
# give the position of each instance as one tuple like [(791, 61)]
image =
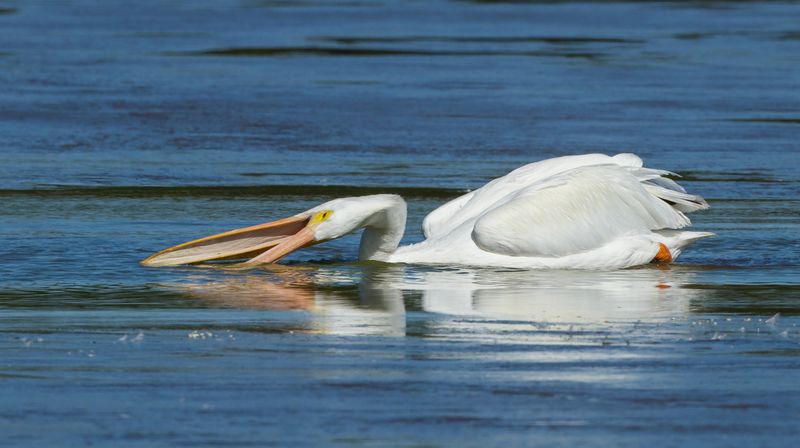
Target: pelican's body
[(576, 212)]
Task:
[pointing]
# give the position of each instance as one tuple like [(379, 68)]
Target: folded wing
[(582, 209)]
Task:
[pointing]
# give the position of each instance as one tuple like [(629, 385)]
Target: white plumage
[(591, 211)]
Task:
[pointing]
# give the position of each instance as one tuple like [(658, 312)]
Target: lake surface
[(127, 127)]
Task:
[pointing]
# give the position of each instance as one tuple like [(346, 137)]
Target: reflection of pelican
[(585, 212), (376, 303)]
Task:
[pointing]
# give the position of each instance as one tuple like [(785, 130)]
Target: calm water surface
[(126, 127)]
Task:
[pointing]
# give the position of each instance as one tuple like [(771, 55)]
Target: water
[(129, 127)]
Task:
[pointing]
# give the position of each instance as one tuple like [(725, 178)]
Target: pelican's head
[(271, 241)]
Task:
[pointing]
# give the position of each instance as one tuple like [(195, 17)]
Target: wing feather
[(467, 207), (575, 211), (437, 221)]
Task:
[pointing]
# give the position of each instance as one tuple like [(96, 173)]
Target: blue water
[(127, 127)]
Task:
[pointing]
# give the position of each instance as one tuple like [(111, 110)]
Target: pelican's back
[(468, 207)]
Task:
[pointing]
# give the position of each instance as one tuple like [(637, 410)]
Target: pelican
[(575, 212)]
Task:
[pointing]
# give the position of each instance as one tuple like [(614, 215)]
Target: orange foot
[(663, 255)]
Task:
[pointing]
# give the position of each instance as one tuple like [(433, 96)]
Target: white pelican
[(576, 212)]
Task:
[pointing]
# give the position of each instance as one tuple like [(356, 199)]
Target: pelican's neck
[(384, 229)]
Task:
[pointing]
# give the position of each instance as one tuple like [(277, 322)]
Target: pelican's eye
[(321, 216)]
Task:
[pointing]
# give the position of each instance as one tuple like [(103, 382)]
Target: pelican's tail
[(658, 183), (677, 240), (668, 190)]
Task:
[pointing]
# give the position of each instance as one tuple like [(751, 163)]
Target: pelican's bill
[(241, 243)]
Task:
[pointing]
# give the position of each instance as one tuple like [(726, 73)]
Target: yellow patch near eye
[(321, 216)]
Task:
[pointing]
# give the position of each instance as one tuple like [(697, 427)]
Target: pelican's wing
[(465, 208), (439, 220), (580, 209)]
